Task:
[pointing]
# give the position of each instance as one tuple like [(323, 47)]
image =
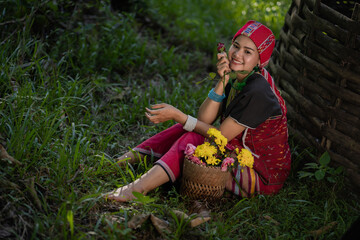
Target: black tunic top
[(254, 104)]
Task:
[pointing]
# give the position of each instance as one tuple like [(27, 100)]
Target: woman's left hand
[(162, 112)]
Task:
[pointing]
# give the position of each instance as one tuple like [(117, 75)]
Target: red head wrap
[(263, 38)]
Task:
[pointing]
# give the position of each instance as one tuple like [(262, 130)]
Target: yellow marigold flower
[(219, 139), (205, 150), (213, 161), (245, 158), (213, 131), (221, 142), (222, 149)]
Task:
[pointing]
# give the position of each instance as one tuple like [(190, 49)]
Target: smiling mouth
[(236, 61)]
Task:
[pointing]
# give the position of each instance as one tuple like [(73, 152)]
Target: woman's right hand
[(223, 66)]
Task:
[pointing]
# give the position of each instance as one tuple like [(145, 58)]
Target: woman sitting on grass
[(253, 116)]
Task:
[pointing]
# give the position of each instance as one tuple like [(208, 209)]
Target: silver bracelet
[(190, 124)]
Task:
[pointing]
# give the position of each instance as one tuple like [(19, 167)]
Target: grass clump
[(75, 78)]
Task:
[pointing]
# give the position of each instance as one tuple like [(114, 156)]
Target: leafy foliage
[(321, 169)]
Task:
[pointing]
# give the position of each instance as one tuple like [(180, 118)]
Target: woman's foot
[(124, 194), (154, 178)]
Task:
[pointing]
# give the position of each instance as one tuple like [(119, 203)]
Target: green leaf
[(339, 170), (330, 170), (212, 75), (70, 218), (302, 174), (53, 6), (331, 179), (142, 198), (324, 159), (319, 174), (311, 166)]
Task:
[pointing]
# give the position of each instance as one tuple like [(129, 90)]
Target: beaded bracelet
[(216, 97), (190, 124)]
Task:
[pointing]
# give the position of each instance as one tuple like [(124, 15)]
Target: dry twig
[(267, 217), (323, 229)]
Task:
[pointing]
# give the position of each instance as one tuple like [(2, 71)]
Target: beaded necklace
[(236, 86), (240, 85)]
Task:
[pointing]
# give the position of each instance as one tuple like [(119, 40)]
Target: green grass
[(73, 99), (207, 22)]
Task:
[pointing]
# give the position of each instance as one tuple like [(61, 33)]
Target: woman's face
[(243, 55)]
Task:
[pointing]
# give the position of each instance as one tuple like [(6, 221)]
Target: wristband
[(216, 97), (190, 124)]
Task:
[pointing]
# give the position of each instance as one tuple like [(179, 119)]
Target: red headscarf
[(263, 38)]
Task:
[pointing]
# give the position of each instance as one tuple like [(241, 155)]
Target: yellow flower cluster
[(213, 161), (205, 150), (208, 151), (245, 158), (219, 139)]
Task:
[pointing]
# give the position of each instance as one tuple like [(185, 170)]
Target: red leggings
[(169, 146)]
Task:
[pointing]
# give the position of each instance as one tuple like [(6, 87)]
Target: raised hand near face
[(223, 66)]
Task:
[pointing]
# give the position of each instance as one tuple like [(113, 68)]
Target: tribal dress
[(260, 108)]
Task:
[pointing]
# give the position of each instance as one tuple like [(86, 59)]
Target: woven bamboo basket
[(316, 64), (202, 182)]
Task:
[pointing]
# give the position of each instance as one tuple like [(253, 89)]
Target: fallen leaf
[(113, 218), (204, 213), (92, 233), (323, 229), (199, 220), (198, 207), (5, 156), (180, 215), (5, 184), (267, 217), (137, 220), (161, 226)]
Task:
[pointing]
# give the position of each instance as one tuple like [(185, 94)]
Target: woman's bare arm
[(163, 112), (209, 109)]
